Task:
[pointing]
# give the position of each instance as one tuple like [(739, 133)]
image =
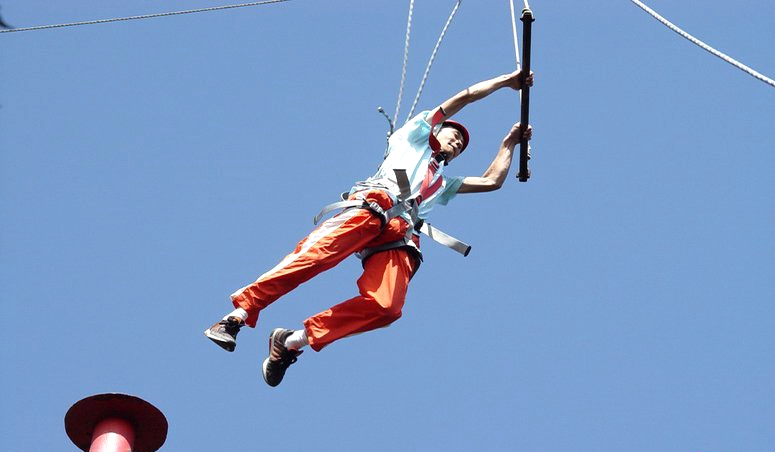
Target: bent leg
[(382, 286), (329, 244)]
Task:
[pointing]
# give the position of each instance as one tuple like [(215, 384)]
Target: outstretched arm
[(483, 89), (496, 174)]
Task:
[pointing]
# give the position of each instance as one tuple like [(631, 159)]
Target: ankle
[(297, 340), (239, 313)]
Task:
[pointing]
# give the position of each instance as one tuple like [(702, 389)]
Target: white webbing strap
[(335, 206), (445, 239), (403, 183), (409, 204), (404, 204), (356, 203)]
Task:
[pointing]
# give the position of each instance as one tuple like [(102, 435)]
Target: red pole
[(115, 423), (113, 435)]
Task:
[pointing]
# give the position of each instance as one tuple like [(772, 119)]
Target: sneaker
[(224, 333), (280, 357)]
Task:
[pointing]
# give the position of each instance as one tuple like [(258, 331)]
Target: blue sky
[(622, 299)]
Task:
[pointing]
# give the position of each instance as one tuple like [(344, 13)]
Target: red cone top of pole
[(150, 425)]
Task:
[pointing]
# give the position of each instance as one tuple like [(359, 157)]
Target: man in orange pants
[(381, 222)]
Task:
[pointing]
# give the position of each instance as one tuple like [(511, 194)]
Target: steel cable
[(704, 46), (145, 16)]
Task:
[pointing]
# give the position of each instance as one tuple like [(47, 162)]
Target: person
[(380, 223)]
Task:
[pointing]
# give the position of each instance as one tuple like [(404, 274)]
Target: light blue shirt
[(408, 149)]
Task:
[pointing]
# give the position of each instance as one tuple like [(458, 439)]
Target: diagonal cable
[(514, 31), (145, 16), (704, 46), (433, 56), (406, 60)]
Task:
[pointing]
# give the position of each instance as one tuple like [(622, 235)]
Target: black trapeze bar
[(527, 25)]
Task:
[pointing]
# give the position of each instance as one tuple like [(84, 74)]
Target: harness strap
[(436, 121), (445, 239), (368, 252), (401, 207), (372, 206), (404, 204), (411, 205), (385, 216), (403, 183)]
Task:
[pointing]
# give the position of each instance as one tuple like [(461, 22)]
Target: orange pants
[(382, 286)]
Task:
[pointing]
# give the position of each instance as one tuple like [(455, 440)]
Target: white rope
[(514, 31), (406, 60), (704, 46), (433, 56), (146, 16)]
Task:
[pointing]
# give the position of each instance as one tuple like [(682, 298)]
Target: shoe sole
[(226, 345), (263, 372), (266, 360)]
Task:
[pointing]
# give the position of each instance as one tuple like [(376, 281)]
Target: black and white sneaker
[(280, 357), (224, 333)]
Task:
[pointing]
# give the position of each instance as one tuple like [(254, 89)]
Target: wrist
[(509, 143)]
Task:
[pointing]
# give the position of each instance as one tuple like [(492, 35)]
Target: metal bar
[(524, 155)]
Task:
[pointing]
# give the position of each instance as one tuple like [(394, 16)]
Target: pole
[(115, 423), (527, 25), (113, 435)]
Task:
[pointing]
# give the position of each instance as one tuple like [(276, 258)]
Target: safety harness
[(405, 203)]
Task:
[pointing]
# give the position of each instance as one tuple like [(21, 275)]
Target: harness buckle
[(377, 210)]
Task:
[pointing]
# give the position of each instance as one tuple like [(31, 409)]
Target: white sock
[(297, 340), (239, 313)]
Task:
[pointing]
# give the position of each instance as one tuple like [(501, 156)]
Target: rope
[(704, 46), (406, 60), (146, 16), (514, 31), (433, 56)]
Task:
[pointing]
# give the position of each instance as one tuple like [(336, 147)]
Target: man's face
[(451, 141)]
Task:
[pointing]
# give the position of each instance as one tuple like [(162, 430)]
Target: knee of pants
[(386, 313)]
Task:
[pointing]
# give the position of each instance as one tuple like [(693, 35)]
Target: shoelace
[(287, 357), (231, 326)]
